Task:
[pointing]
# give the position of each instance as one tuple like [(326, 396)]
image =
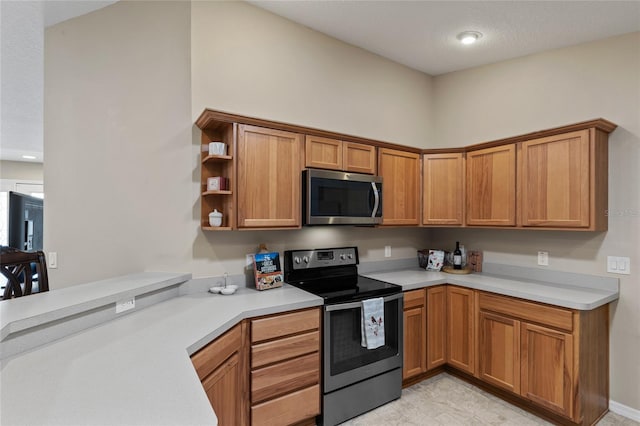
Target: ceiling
[(422, 34), (418, 34)]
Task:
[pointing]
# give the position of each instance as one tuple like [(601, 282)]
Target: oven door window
[(345, 350)]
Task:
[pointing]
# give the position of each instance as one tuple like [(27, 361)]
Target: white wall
[(248, 61), (21, 170), (118, 133), (564, 86), (122, 152)]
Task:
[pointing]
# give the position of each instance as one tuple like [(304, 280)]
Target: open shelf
[(222, 166), (217, 193), (216, 158), (216, 228)]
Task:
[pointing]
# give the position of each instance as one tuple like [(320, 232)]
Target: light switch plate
[(53, 259), (619, 265)]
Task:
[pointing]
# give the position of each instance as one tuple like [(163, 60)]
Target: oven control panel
[(323, 258)]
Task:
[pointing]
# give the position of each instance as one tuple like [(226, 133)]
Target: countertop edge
[(601, 297), (20, 324), (251, 313)]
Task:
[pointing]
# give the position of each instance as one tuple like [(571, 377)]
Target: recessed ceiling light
[(469, 37), (29, 157)]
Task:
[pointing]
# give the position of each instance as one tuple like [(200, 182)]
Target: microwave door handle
[(376, 199)]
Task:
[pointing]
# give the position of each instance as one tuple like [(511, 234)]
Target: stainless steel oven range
[(355, 379)]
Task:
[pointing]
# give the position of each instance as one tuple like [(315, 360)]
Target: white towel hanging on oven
[(372, 323)]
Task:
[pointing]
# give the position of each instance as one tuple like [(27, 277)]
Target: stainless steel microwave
[(341, 198)]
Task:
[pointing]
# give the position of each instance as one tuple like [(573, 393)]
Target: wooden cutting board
[(450, 270)]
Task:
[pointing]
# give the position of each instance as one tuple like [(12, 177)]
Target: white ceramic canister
[(215, 218)]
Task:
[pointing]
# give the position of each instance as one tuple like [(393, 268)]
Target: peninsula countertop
[(136, 369), (133, 370)]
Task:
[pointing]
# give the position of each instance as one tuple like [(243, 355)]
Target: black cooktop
[(349, 289), (333, 275)]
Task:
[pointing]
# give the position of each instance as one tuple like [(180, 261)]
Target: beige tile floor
[(447, 400)]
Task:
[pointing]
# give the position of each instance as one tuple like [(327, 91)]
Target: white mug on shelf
[(217, 148)]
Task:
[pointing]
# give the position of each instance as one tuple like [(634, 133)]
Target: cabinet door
[(223, 390), (400, 172), (461, 328), (415, 334), (359, 158), (323, 153), (436, 326), (443, 189), (554, 175), (269, 179), (491, 186), (547, 368), (221, 367), (499, 351)]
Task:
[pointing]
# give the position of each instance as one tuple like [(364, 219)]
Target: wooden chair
[(18, 268)]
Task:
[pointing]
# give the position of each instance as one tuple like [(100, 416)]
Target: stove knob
[(296, 259), (350, 256), (305, 259), (343, 257)]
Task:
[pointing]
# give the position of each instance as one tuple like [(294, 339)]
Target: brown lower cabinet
[(415, 334), (461, 332), (264, 371), (436, 326), (221, 367), (551, 360)]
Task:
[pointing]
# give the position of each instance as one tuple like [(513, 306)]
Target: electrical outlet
[(543, 258), (53, 259), (125, 305), (619, 265), (387, 251), (248, 260)]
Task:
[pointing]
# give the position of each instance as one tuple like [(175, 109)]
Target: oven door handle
[(351, 305)]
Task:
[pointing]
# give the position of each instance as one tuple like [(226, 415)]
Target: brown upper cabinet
[(333, 154), (551, 179), (563, 181), (491, 186), (400, 171), (269, 167), (443, 189)]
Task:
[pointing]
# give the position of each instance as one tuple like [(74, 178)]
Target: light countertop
[(134, 370), (580, 295)]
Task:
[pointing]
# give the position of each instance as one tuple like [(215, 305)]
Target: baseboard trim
[(624, 410)]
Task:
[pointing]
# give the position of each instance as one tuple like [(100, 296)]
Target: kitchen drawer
[(552, 316), (284, 325), (284, 349), (283, 377), (413, 299), (288, 409), (211, 356)]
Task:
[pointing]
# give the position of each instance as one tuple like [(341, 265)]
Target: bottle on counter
[(457, 257)]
